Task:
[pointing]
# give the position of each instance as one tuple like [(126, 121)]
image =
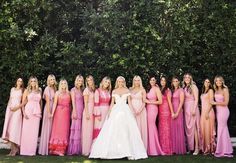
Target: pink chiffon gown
[(137, 102), (74, 147), (61, 125), (164, 125), (177, 125), (30, 128), (101, 107), (154, 147), (224, 146), (207, 125), (13, 120), (87, 125), (47, 122)]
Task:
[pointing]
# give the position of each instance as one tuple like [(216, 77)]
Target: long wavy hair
[(60, 85), (103, 80), (86, 83), (222, 80), (172, 86), (122, 78), (163, 89), (140, 79), (190, 86), (76, 81), (149, 86), (22, 85), (29, 87), (48, 81), (204, 88)]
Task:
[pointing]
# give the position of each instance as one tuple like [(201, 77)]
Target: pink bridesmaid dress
[(61, 125), (192, 123), (137, 102), (76, 125), (13, 120), (87, 125), (154, 147), (207, 125), (30, 128), (224, 146), (164, 125), (177, 125), (101, 107), (47, 122)]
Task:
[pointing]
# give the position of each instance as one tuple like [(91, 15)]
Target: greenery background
[(117, 37)]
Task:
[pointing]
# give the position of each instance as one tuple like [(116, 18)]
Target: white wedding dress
[(120, 136)]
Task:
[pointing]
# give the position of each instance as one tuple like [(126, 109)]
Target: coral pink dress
[(76, 125), (154, 147), (177, 125), (87, 125), (207, 125), (101, 107), (13, 120), (137, 102), (224, 146), (164, 125), (61, 125), (30, 128)]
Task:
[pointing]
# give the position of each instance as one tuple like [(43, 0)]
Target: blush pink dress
[(61, 125), (137, 102), (30, 128), (87, 125), (13, 120), (154, 147), (164, 125), (101, 107)]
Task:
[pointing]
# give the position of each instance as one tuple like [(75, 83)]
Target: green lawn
[(76, 159)]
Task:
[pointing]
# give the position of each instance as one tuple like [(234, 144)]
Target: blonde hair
[(48, 81), (60, 83), (139, 78), (103, 80), (118, 78), (222, 80), (190, 87), (76, 81), (29, 87), (87, 86)]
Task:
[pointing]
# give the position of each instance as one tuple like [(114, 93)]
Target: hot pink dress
[(192, 123), (207, 125), (76, 125), (177, 126), (224, 146), (13, 120), (87, 125), (137, 102), (61, 125), (101, 107), (30, 128), (47, 122), (164, 125), (154, 147)]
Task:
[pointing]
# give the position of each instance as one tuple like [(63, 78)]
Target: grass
[(79, 159)]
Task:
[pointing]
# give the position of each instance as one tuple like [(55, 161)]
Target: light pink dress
[(192, 123), (207, 125), (13, 120), (30, 128), (154, 147), (137, 102), (61, 125), (164, 125), (47, 122), (224, 146), (87, 125), (101, 107)]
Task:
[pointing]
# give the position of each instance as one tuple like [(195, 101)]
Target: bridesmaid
[(224, 146), (61, 120), (32, 114), (207, 121), (13, 118), (164, 116), (177, 122), (154, 98), (102, 99), (88, 119), (138, 98), (48, 95), (76, 125), (192, 115)]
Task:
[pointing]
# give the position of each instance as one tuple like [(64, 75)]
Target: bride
[(120, 136)]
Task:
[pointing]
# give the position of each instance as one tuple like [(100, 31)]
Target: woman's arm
[(55, 103), (170, 102), (74, 113), (24, 102), (159, 97), (195, 105)]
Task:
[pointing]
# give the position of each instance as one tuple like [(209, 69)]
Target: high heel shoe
[(196, 152)]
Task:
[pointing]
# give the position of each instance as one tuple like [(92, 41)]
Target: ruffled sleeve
[(46, 93), (96, 110)]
